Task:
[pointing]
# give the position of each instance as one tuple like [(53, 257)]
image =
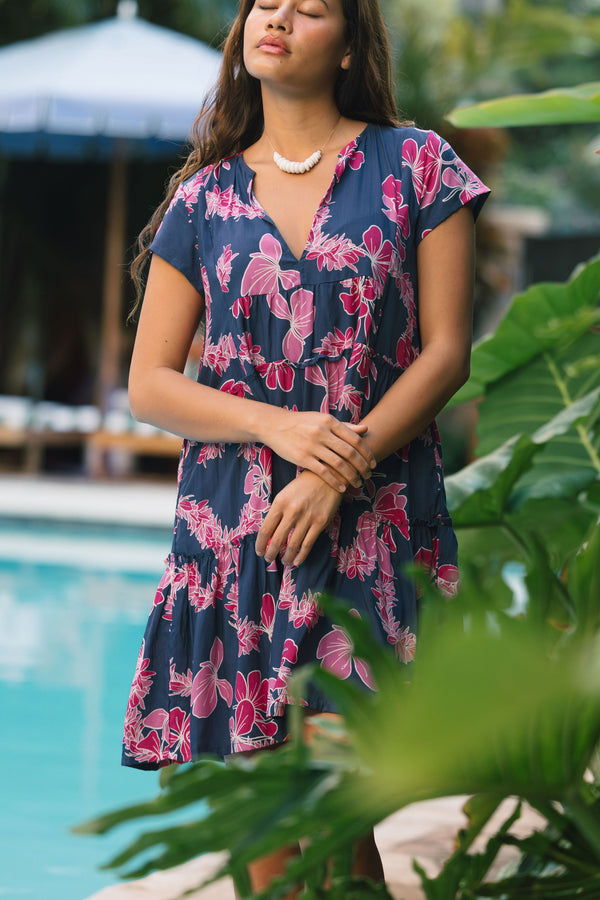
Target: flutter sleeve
[(176, 240), (443, 183)]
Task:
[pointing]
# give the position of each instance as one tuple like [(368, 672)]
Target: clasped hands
[(333, 455)]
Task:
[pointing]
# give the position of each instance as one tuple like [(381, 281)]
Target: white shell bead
[(293, 167)]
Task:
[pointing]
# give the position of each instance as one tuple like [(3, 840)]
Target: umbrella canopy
[(80, 91), (113, 90)]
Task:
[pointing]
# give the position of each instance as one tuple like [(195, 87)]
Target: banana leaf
[(483, 492), (560, 106), (545, 317)]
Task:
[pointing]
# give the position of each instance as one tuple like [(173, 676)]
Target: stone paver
[(425, 831)]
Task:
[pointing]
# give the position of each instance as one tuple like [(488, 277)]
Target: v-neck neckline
[(256, 203)]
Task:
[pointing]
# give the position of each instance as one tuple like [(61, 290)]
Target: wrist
[(307, 475), (263, 422)]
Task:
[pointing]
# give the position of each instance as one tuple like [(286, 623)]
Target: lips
[(275, 43)]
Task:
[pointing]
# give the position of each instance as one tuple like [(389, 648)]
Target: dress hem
[(220, 752)]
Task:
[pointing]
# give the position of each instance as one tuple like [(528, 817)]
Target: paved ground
[(78, 500), (424, 831)]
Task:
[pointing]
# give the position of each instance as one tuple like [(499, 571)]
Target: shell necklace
[(299, 168)]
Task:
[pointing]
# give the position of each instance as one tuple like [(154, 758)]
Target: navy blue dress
[(331, 331)]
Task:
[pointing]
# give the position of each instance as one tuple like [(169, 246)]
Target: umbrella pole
[(112, 298)]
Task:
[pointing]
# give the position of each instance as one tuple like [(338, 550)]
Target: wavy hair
[(231, 118)]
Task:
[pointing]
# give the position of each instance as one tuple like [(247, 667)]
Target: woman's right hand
[(333, 450)]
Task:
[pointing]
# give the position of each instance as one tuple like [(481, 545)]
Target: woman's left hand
[(298, 515)]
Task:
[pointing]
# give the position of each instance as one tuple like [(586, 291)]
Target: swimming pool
[(73, 604)]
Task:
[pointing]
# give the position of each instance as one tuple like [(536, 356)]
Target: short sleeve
[(443, 183), (176, 240)]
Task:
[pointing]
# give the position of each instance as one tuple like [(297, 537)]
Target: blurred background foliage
[(451, 52), (201, 19)]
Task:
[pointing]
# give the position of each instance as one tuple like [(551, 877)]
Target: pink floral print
[(207, 684), (336, 651), (331, 331), (426, 162), (263, 274), (224, 267), (300, 314)]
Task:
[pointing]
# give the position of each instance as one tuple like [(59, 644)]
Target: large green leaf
[(538, 391), (561, 524), (545, 387), (583, 581), (523, 725), (544, 318), (543, 359), (482, 493), (560, 106)]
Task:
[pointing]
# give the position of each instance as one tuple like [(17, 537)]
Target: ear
[(346, 60)]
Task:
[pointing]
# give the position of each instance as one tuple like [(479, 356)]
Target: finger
[(359, 427), (349, 457), (278, 540), (344, 469), (329, 475), (307, 544), (294, 543), (266, 531), (355, 441)]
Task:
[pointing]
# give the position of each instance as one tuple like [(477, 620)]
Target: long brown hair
[(231, 118)]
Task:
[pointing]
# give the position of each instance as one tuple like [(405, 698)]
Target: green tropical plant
[(445, 52), (558, 106), (539, 375)]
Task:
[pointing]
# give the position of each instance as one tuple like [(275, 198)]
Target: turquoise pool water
[(73, 604)]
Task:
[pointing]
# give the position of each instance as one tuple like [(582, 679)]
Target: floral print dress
[(331, 331)]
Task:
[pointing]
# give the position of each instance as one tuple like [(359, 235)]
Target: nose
[(279, 21)]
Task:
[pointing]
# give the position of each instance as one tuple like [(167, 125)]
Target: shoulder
[(190, 194), (407, 137), (188, 190)]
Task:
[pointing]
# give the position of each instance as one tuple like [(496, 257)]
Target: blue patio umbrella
[(81, 91), (116, 89)]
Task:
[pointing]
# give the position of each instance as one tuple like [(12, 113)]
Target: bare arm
[(159, 393)]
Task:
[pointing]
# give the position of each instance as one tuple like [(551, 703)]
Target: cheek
[(330, 53), (248, 39)]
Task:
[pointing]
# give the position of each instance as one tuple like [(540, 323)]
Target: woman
[(331, 253)]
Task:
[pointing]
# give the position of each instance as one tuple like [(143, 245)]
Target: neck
[(298, 127)]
